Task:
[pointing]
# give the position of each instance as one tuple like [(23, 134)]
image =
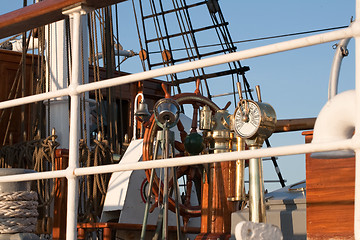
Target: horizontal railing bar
[(207, 62), (221, 157), (33, 176), (190, 160), (226, 58), (34, 98)]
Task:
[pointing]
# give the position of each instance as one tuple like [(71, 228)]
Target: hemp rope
[(18, 212), (93, 188)]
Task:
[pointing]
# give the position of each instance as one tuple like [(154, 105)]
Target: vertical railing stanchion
[(71, 233), (356, 26), (76, 77)]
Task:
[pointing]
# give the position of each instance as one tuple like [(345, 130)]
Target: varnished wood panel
[(60, 200), (330, 188), (151, 89), (9, 64)]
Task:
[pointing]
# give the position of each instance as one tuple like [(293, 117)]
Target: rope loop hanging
[(44, 160), (93, 188)]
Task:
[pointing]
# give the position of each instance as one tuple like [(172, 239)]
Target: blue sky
[(295, 83)]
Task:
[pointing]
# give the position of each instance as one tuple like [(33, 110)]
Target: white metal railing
[(75, 89), (245, 54), (190, 160)]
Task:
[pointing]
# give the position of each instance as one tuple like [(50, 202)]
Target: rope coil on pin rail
[(28, 154), (44, 160), (18, 212), (93, 188), (38, 154)]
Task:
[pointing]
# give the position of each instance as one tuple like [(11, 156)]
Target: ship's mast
[(58, 66)]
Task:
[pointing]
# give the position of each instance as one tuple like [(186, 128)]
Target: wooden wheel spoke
[(194, 118), (179, 146), (188, 190), (180, 171), (183, 133)]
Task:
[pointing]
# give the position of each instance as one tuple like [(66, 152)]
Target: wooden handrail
[(299, 124), (42, 13)]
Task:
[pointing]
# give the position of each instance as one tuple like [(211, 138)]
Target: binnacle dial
[(247, 121)]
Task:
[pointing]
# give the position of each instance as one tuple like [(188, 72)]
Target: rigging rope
[(98, 93), (93, 188), (139, 36), (18, 79), (40, 156), (119, 87), (194, 42), (181, 10), (262, 38), (226, 43), (187, 41)]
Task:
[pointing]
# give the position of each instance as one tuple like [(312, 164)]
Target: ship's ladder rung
[(211, 75), (174, 10), (187, 32), (195, 57), (269, 181)]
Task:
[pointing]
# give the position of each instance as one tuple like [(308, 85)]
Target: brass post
[(256, 189), (239, 193)]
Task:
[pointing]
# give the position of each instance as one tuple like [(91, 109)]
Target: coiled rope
[(18, 212), (93, 188), (39, 155)]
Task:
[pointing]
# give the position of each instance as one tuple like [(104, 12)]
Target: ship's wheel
[(193, 173)]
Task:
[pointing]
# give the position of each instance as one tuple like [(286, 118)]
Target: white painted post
[(56, 78), (57, 74), (76, 77), (72, 201), (357, 123)]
